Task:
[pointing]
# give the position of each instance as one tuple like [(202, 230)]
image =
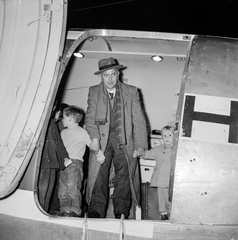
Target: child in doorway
[(75, 139), (161, 174)]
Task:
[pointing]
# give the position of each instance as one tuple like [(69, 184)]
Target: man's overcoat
[(135, 133)]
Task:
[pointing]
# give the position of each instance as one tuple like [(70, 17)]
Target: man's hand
[(141, 152), (135, 154), (94, 146)]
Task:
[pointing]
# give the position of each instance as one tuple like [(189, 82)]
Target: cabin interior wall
[(159, 84)]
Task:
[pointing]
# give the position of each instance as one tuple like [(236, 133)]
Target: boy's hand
[(94, 146), (67, 162)]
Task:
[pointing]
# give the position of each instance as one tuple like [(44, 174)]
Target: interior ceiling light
[(92, 38), (157, 58), (78, 55)]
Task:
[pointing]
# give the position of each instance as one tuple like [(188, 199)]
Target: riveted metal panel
[(206, 168)]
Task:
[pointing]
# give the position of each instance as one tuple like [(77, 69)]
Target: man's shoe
[(93, 214), (119, 215), (164, 217)]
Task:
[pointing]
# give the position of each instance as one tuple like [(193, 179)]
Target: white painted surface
[(210, 132), (21, 204), (211, 104)]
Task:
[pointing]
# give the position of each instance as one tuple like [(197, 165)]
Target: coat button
[(103, 135)]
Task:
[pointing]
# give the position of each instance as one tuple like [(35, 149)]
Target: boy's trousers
[(70, 183)]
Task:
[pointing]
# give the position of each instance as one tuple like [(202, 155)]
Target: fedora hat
[(106, 64)]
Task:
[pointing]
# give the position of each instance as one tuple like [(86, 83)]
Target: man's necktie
[(111, 95)]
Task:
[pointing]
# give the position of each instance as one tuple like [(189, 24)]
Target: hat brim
[(112, 67)]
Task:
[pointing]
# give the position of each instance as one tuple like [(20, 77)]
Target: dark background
[(203, 17)]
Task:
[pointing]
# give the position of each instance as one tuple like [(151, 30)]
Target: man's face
[(168, 136), (110, 78)]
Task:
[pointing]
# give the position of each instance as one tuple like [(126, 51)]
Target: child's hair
[(171, 128), (59, 108), (74, 112)]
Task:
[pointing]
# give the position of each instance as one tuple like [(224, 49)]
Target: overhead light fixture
[(157, 58), (92, 38), (78, 55)]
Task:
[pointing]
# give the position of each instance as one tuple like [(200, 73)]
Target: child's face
[(67, 120), (168, 136)]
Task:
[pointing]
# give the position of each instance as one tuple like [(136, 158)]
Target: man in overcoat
[(116, 124)]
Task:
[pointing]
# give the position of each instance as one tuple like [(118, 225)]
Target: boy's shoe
[(64, 214), (164, 217)]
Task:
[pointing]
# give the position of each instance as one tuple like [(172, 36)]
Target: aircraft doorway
[(159, 85)]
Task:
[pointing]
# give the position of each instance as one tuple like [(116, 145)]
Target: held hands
[(100, 157), (95, 149), (140, 152)]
